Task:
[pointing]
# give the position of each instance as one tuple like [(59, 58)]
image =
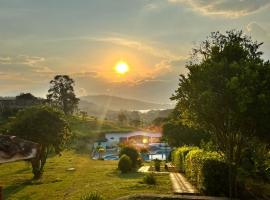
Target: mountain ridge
[(121, 103)]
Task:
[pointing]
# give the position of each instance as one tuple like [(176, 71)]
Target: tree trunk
[(39, 162)]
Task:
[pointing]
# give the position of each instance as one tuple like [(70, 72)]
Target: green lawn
[(90, 175), (93, 128)]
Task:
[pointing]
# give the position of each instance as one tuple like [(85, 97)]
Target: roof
[(135, 133)]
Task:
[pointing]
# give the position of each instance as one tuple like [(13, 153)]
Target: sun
[(121, 67)]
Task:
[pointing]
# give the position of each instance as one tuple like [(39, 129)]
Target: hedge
[(178, 157), (207, 170), (125, 164)]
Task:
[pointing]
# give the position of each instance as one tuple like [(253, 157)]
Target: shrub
[(157, 163), (125, 164), (215, 177), (208, 171), (92, 196), (132, 153), (179, 156), (150, 179)]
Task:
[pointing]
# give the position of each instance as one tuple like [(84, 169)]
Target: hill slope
[(119, 103)]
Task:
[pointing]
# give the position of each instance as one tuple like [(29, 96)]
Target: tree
[(178, 134), (44, 125), (125, 164), (61, 94), (227, 93), (122, 118), (26, 97), (159, 121), (132, 153)]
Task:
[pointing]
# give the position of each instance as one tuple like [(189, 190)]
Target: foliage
[(61, 94), (132, 153), (157, 163), (179, 157), (92, 196), (215, 177), (90, 175), (122, 118), (227, 93), (159, 121), (255, 162), (44, 125), (208, 171), (178, 134), (150, 179), (26, 96), (125, 164)]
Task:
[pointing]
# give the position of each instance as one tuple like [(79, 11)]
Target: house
[(138, 137)]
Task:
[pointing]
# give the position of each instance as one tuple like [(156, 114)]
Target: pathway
[(144, 169), (181, 185)]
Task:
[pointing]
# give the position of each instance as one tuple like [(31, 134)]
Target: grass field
[(92, 128), (58, 183)]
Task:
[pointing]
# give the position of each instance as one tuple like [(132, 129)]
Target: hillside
[(89, 175), (119, 103)]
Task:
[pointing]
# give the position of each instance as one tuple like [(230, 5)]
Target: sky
[(86, 38)]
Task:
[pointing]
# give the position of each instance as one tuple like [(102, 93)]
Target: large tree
[(61, 94), (178, 134), (227, 92), (44, 125)]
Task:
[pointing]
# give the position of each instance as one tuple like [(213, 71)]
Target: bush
[(208, 171), (179, 156), (150, 179), (215, 177), (132, 153), (157, 163), (92, 196), (125, 164)]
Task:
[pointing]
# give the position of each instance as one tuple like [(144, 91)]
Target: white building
[(140, 137)]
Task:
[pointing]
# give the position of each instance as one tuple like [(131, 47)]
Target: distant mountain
[(119, 103)]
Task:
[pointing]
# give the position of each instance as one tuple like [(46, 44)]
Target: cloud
[(87, 74), (5, 60), (44, 70), (138, 45), (81, 92), (227, 8), (151, 7), (256, 30), (22, 59)]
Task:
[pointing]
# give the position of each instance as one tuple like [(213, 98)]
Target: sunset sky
[(87, 38)]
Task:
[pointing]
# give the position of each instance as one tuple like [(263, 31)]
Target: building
[(138, 137)]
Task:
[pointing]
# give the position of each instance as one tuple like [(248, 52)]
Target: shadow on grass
[(26, 169), (13, 189), (17, 187), (130, 175)]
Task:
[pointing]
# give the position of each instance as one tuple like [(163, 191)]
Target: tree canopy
[(61, 94), (227, 92), (44, 125)]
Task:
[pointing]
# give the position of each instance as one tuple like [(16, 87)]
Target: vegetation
[(207, 170), (132, 153), (87, 130), (150, 179), (178, 134), (157, 163), (125, 164), (92, 196), (44, 125), (89, 175), (179, 157), (61, 94), (226, 93), (122, 118)]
